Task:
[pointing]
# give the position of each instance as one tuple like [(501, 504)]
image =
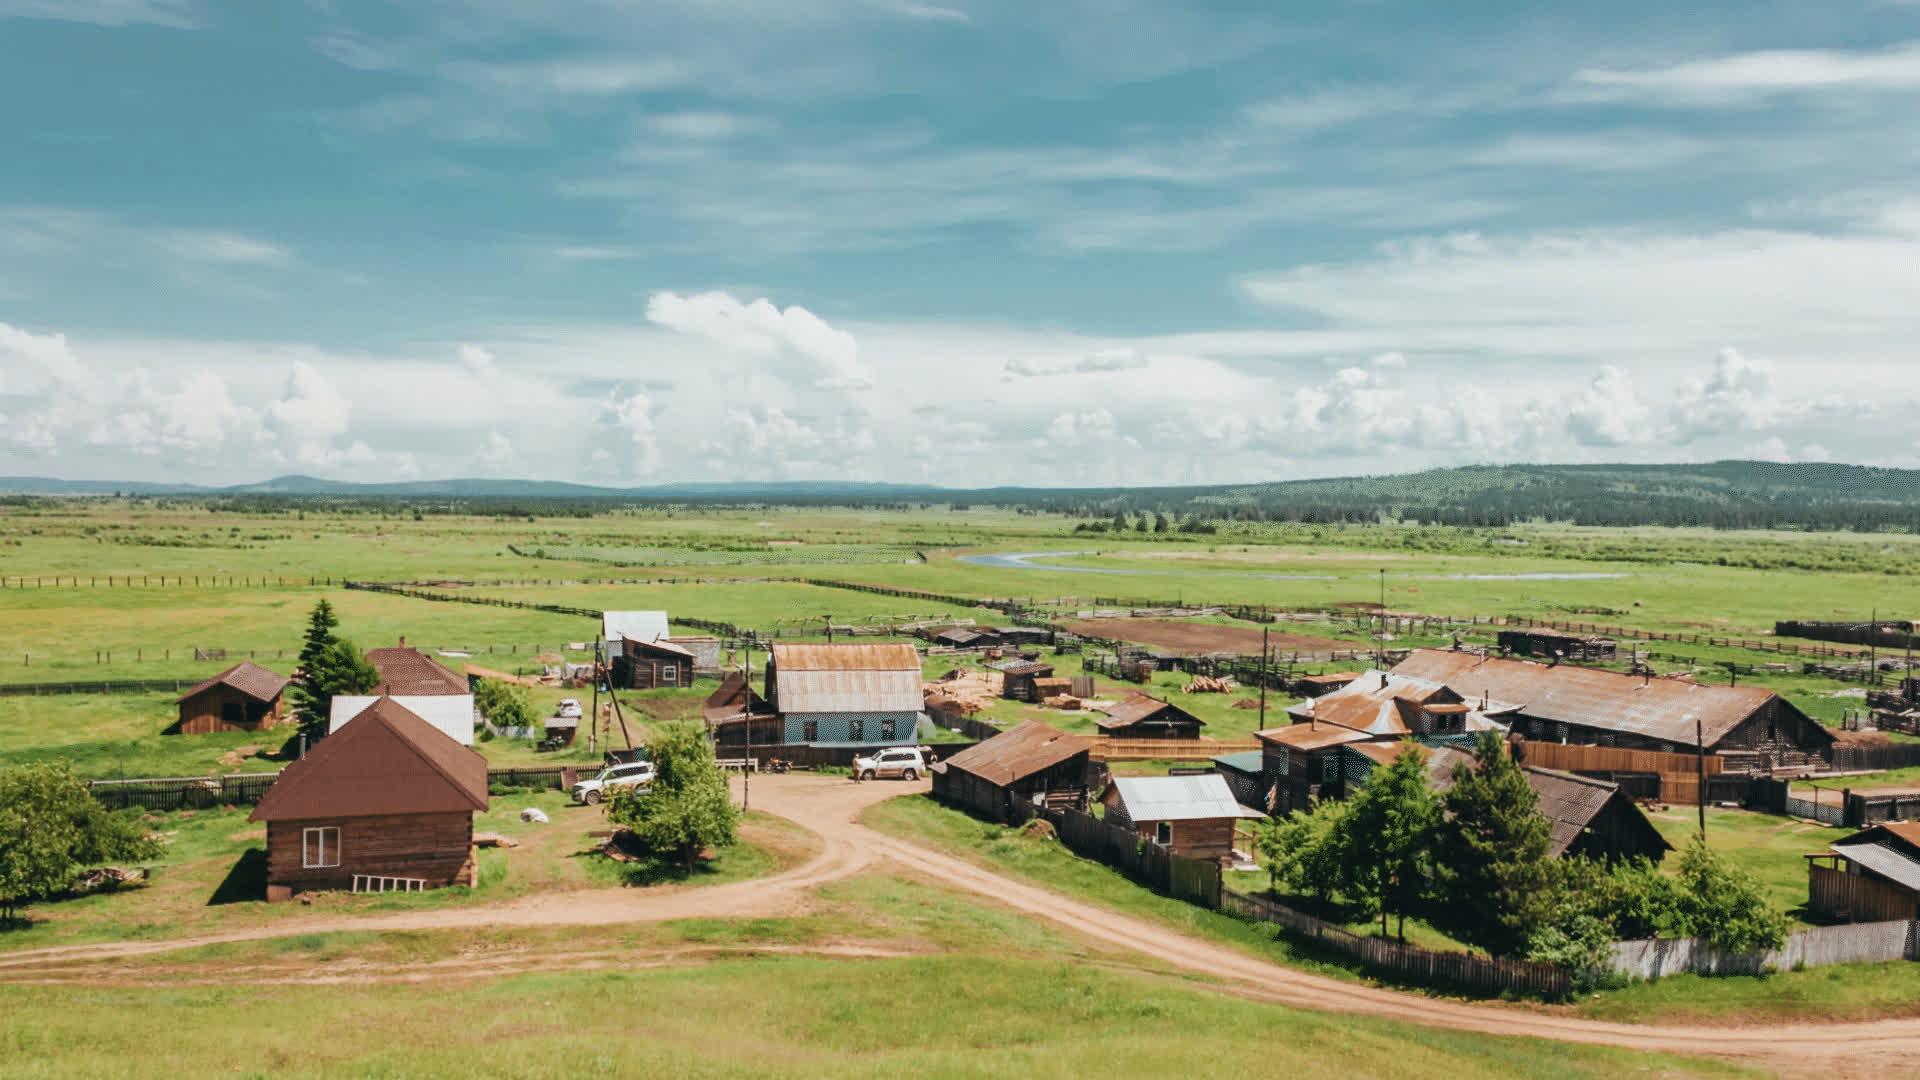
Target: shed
[(845, 694), (385, 803), (1550, 644), (1141, 716), (963, 637), (638, 625), (245, 697), (1314, 686), (1245, 774), (1593, 818), (1030, 763), (1870, 876), (1192, 816), (653, 664), (1019, 678)]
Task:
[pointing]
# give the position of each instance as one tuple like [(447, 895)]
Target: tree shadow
[(245, 882)]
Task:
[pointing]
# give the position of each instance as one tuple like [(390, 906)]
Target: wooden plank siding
[(1857, 898), (224, 708), (1573, 757), (1112, 749), (437, 848)]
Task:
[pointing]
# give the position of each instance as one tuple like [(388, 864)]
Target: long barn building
[(1567, 704)]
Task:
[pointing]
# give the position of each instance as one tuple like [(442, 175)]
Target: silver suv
[(904, 762), (592, 791)]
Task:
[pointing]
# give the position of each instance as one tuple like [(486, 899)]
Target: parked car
[(568, 708), (903, 762), (595, 790)]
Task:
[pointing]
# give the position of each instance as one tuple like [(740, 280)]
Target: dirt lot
[(1194, 638)]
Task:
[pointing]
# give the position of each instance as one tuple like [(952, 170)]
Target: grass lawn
[(1769, 847), (212, 875)]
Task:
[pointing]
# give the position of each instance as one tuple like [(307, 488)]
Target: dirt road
[(829, 806)]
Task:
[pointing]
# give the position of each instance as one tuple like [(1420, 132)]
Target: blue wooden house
[(846, 695)]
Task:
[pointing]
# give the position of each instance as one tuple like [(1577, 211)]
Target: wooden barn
[(245, 697), (1302, 763), (1748, 725), (735, 715), (406, 672), (650, 665), (964, 637), (1557, 644), (1140, 716), (1871, 876), (1193, 816), (1314, 686), (1593, 818), (1031, 763), (845, 694), (385, 803)]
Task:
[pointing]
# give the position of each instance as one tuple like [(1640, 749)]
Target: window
[(1329, 768), (857, 730), (670, 675), (1279, 756), (320, 847), (1162, 833), (890, 728), (810, 731)]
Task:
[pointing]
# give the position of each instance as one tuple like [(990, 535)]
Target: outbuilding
[(384, 804), (1593, 818), (1141, 716), (1019, 678), (1031, 763), (655, 664), (1192, 816), (245, 697), (845, 694), (1871, 876)]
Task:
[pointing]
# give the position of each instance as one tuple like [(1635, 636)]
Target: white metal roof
[(451, 713), (1884, 861), (638, 625), (1179, 798)]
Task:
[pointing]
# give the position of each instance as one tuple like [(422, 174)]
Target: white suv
[(592, 792), (904, 762)]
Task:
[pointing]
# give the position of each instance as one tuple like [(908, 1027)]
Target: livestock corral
[(1092, 825)]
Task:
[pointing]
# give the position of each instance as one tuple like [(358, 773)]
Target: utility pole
[(1873, 651), (746, 709), (593, 718), (1380, 642)]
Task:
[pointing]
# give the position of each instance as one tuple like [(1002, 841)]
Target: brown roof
[(384, 761), (1310, 736), (247, 677), (406, 672), (1336, 678), (1570, 803), (847, 678), (1663, 709), (732, 699), (897, 656), (1137, 707), (1908, 831), (1012, 756)]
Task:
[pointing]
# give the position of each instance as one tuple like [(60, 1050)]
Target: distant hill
[(1721, 494)]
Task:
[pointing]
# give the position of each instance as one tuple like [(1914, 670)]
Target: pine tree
[(1493, 847), (329, 665), (1387, 834)]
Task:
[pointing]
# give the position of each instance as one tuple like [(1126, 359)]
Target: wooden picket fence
[(1571, 758), (1168, 749)]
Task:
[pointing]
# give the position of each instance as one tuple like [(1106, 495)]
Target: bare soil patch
[(1196, 637)]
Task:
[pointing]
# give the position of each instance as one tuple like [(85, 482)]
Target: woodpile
[(963, 690), (1246, 703), (1064, 701), (1207, 684)]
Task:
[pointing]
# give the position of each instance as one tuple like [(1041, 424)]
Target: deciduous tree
[(51, 828), (686, 809)]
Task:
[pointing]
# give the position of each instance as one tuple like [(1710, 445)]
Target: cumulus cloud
[(45, 355), (476, 360), (765, 329), (1098, 361), (1737, 396), (496, 453), (1608, 412), (631, 418), (311, 415)]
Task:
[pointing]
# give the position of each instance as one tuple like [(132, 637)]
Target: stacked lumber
[(1063, 701), (1207, 684)]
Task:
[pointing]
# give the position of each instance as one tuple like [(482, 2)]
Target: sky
[(953, 241)]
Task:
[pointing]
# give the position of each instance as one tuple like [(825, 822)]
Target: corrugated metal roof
[(387, 761), (247, 677), (1568, 802), (1905, 831), (1246, 761), (452, 714), (1015, 755), (412, 673), (1136, 707), (1664, 709), (1386, 703), (1020, 667), (847, 678), (897, 656), (1179, 798), (638, 625), (659, 644), (1884, 861), (1310, 736)]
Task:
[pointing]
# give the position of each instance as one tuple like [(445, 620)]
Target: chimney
[(403, 641), (1383, 680)]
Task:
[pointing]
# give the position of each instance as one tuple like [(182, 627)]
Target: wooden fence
[(162, 793), (1864, 808), (1854, 943), (1610, 759), (1196, 881), (1873, 758), (1105, 749), (1484, 974), (1829, 813), (1838, 894)]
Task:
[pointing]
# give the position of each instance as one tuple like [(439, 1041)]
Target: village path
[(831, 807)]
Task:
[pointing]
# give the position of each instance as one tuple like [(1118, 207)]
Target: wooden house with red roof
[(384, 803), (245, 697)]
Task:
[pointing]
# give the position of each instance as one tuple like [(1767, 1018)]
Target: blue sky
[(962, 242)]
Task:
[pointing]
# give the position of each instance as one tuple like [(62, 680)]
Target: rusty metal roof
[(1569, 802), (734, 698), (406, 672), (1014, 755), (1136, 707), (247, 677), (847, 678), (1663, 709), (1310, 736), (384, 761), (1907, 831)]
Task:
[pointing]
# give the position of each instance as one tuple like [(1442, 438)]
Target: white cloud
[(172, 13), (40, 354), (926, 12), (1737, 396), (706, 125), (575, 76), (763, 328), (1743, 77), (476, 360), (1608, 412), (631, 417), (496, 453), (311, 415), (1081, 428), (1098, 361), (221, 247)]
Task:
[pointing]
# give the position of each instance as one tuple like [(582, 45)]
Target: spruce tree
[(1387, 834), (1493, 848)]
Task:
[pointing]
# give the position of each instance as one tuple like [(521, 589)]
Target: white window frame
[(670, 675), (889, 728), (308, 837)]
